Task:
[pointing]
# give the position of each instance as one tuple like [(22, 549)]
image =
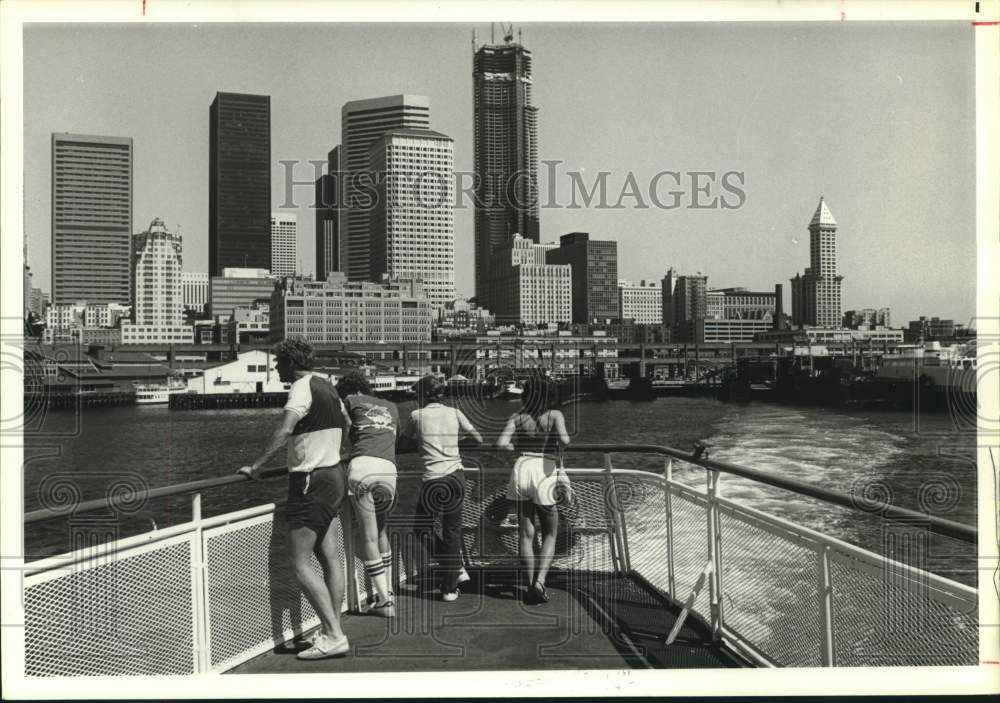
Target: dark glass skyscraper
[(327, 207), (506, 152), (239, 199)]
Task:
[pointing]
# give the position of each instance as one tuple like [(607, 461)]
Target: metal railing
[(208, 594)]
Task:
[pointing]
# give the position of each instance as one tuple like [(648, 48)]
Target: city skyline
[(786, 169)]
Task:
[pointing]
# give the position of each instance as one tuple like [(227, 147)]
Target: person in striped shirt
[(312, 428)]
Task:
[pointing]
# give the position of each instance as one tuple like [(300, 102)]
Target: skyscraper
[(158, 297), (412, 224), (156, 268), (816, 293), (362, 123), (506, 151), (595, 275), (685, 305), (328, 218), (284, 249), (91, 219), (239, 174)]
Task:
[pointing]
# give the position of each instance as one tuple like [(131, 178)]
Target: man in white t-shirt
[(312, 428)]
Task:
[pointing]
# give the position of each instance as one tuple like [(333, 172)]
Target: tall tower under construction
[(505, 131)]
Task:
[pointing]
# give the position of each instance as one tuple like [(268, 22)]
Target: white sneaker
[(325, 646), (450, 597), (463, 576)]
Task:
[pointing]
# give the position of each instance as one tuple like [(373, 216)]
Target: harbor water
[(921, 463)]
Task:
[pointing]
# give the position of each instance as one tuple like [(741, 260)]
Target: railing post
[(714, 555), (825, 608), (668, 472), (199, 580), (611, 515), (347, 533)]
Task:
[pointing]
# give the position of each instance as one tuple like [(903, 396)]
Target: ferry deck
[(650, 572)]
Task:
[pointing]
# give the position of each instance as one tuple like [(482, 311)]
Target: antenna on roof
[(519, 35), (475, 37), (493, 38)]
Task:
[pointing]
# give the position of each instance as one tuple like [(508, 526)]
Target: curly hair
[(296, 350), (429, 389), (353, 382)]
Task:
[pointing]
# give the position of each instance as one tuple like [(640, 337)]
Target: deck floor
[(593, 621)]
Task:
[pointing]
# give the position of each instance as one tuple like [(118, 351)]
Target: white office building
[(412, 223), (284, 250), (525, 290), (194, 290), (642, 302), (339, 311)]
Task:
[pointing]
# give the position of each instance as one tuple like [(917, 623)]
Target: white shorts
[(364, 473), (534, 478)]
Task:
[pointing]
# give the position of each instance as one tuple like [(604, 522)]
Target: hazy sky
[(877, 118)]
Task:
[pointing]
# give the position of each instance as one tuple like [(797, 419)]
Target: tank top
[(536, 440)]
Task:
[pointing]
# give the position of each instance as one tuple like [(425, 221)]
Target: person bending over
[(539, 431), (371, 477)]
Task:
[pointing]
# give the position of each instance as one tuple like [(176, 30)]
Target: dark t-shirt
[(374, 423)]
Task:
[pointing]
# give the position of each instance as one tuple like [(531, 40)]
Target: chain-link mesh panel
[(643, 507), (886, 619), (770, 590), (690, 530), (254, 599), (131, 615)]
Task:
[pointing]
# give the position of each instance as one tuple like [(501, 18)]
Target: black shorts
[(314, 498)]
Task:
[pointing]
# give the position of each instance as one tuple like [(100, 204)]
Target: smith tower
[(816, 293), (505, 130), (239, 175)]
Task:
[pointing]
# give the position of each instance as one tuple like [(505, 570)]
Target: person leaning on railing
[(539, 431), (371, 477), (312, 427), (437, 429)]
